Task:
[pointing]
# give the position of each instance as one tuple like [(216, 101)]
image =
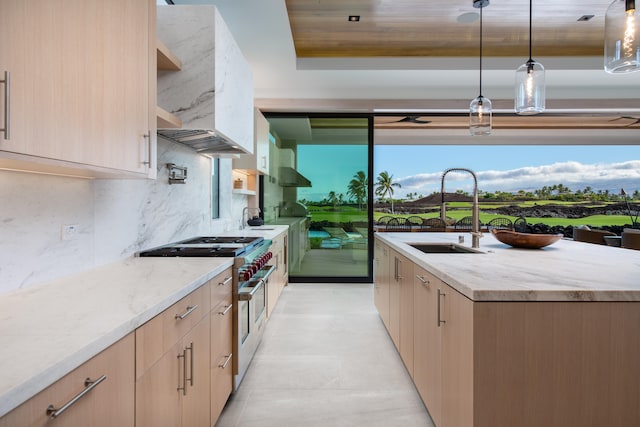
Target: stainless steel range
[(251, 271)]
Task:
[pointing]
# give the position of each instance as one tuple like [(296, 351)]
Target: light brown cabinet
[(427, 341), (184, 372), (81, 97), (280, 277), (381, 281), (221, 366), (394, 294), (109, 402), (533, 363)]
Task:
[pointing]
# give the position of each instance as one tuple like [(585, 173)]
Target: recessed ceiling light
[(354, 18), (586, 18)]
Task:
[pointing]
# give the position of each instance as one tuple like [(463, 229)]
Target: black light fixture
[(621, 43), (354, 18), (480, 108), (530, 90)]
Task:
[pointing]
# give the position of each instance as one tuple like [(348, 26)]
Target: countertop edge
[(20, 393), (459, 281)]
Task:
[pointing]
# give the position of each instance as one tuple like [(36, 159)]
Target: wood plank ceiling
[(424, 28), (450, 28)]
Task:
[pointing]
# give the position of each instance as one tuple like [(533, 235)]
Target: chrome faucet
[(245, 214), (475, 228)]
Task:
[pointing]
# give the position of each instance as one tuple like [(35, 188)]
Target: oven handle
[(268, 269), (246, 295)]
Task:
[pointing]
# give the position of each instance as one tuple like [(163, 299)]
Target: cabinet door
[(381, 281), (109, 403), (80, 81), (196, 399), (405, 281), (175, 390), (394, 297), (427, 369), (456, 316)]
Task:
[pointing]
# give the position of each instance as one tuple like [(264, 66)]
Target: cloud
[(575, 175)]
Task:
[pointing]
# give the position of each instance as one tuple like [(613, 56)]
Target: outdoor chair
[(381, 223), (397, 224), (465, 223), (591, 236), (500, 224), (414, 223), (434, 224)]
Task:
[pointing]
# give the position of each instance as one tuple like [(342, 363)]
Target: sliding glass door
[(319, 184)]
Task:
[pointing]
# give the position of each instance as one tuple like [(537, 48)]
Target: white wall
[(115, 218)]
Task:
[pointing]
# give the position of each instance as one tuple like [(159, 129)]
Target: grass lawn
[(345, 214)]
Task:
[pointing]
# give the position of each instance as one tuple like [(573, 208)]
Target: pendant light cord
[(481, 7), (530, 25)]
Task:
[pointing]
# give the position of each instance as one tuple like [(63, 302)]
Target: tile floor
[(326, 360)]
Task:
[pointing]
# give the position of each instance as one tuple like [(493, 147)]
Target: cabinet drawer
[(221, 355), (221, 288), (155, 337), (109, 402)]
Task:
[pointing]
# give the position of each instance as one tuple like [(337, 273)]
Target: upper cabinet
[(258, 162), (213, 93), (80, 98)]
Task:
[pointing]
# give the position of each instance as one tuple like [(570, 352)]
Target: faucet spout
[(475, 228), (245, 215)]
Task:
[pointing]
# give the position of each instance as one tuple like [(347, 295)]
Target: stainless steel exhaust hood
[(203, 141), (289, 177)]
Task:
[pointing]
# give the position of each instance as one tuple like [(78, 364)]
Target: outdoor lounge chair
[(501, 223), (338, 236)]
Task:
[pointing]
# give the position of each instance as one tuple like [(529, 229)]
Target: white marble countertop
[(48, 330), (268, 231), (564, 271)]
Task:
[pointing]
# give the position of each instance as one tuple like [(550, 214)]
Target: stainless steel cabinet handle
[(147, 137), (423, 280), (398, 269), (7, 104), (89, 384), (190, 379), (226, 361), (226, 310), (440, 293), (183, 356), (190, 310), (226, 281)]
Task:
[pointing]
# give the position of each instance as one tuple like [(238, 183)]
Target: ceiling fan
[(406, 119), (636, 120)]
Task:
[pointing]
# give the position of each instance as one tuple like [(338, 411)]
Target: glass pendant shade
[(480, 116), (530, 92), (621, 41)]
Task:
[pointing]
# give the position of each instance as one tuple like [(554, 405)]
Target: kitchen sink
[(443, 248)]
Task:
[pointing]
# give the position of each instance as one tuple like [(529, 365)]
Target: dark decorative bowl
[(525, 240)]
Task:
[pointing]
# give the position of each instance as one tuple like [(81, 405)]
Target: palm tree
[(333, 199), (384, 186), (357, 188)]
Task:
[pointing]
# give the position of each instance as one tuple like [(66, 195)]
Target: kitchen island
[(512, 336)]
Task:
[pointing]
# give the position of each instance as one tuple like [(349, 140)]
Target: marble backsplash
[(115, 218)]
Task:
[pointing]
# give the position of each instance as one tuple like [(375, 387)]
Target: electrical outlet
[(69, 231)]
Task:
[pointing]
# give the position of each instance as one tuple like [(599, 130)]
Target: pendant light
[(480, 108), (530, 97), (621, 41)]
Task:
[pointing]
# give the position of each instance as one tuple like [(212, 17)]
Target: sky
[(418, 168)]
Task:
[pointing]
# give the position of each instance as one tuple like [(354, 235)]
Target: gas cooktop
[(214, 246)]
